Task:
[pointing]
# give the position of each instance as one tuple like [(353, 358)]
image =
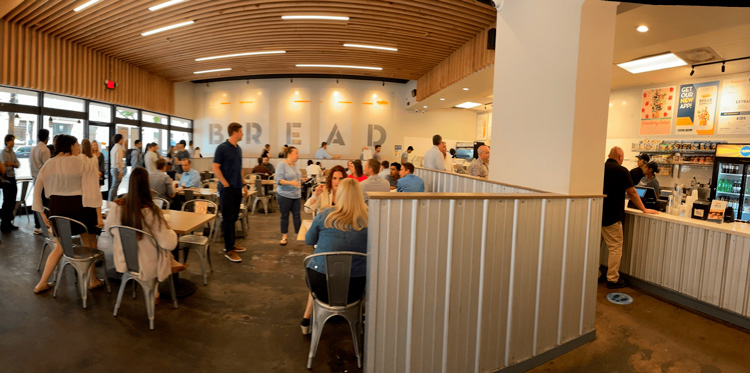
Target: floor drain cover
[(619, 298)]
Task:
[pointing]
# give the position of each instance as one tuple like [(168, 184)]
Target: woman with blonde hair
[(340, 228), (100, 157)]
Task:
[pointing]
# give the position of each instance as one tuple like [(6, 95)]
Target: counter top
[(738, 229)]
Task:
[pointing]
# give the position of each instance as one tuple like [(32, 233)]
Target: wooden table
[(184, 222), (306, 224)]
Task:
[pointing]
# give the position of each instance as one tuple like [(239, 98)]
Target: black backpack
[(127, 157)]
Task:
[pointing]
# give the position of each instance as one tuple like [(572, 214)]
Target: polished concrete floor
[(247, 319)]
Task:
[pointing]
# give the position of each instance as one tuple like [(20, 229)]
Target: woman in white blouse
[(137, 210), (62, 178), (325, 194)]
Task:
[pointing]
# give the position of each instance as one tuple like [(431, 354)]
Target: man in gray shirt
[(180, 155), (8, 157), (373, 183), (478, 167), (433, 159), (161, 182), (376, 155), (136, 156)]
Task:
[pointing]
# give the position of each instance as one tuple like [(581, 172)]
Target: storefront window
[(154, 118), (182, 123), (129, 133), (18, 96), (23, 128), (63, 103), (63, 126), (100, 134), (158, 136), (100, 113), (126, 113), (176, 136)]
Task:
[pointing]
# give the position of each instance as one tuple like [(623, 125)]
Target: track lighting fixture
[(723, 64), (291, 80), (337, 80), (723, 68), (384, 83), (692, 70)]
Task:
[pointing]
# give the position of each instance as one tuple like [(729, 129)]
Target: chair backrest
[(154, 193), (62, 228), (259, 187), (129, 243), (24, 190), (202, 206), (205, 175), (44, 229), (189, 195), (338, 273), (161, 203)]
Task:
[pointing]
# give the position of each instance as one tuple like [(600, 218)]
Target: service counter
[(696, 263)]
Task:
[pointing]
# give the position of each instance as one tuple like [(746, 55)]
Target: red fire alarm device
[(110, 84)]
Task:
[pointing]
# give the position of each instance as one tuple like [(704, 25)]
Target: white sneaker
[(37, 231)]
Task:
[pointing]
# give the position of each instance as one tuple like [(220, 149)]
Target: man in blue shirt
[(409, 182), (227, 167), (322, 153), (190, 177)]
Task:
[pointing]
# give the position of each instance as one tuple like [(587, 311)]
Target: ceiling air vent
[(699, 55)]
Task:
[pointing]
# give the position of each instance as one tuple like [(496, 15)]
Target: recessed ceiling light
[(86, 5), (642, 28), (165, 28), (239, 55), (165, 4), (642, 65), (212, 71), (342, 66), (329, 18), (465, 89), (468, 105), (425, 107), (371, 47), (442, 99)]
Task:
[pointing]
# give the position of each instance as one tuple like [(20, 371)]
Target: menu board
[(696, 108), (735, 106), (656, 111)]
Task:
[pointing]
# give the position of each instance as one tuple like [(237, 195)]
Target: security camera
[(497, 4)]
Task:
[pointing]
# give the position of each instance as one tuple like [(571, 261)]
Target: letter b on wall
[(216, 135), (381, 136)]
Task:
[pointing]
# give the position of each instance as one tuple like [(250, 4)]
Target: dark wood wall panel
[(35, 60)]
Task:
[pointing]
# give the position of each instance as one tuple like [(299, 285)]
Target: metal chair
[(80, 257), (199, 240), (189, 195), (161, 203), (261, 196), (154, 193), (338, 272), (129, 241), (49, 239), (121, 196), (22, 201)]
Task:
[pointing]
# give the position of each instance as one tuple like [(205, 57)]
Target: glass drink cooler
[(731, 172)]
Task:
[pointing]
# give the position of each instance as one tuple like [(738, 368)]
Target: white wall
[(623, 127), (270, 104)]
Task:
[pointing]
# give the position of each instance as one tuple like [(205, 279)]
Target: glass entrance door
[(100, 134)]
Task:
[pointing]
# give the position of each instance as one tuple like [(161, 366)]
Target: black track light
[(384, 83), (723, 68), (337, 80), (692, 70)]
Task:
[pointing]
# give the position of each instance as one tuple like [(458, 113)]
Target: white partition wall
[(479, 282), (447, 182)]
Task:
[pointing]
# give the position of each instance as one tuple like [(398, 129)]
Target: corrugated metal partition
[(476, 283), (447, 182)]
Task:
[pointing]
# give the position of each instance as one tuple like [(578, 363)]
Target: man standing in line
[(10, 190), (616, 184), (408, 182), (151, 157), (447, 160), (116, 165), (373, 183), (136, 156), (38, 157), (405, 156), (322, 153), (179, 157), (376, 155), (433, 159), (227, 167), (479, 166), (191, 150)]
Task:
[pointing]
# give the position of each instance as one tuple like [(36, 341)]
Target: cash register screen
[(646, 193), (641, 192)]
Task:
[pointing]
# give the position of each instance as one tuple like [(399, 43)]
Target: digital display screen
[(641, 192), (465, 153)]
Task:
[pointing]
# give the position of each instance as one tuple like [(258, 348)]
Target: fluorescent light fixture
[(442, 99), (86, 5), (165, 4), (343, 67), (662, 61), (642, 28), (425, 107), (468, 105), (329, 18), (165, 28), (239, 55), (371, 47), (212, 71), (465, 89)]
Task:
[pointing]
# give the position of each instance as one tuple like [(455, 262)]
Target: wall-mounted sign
[(656, 111), (696, 108), (735, 107)]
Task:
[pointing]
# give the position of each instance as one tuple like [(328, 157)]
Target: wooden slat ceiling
[(424, 31)]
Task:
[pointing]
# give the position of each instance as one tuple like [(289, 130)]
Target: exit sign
[(110, 84)]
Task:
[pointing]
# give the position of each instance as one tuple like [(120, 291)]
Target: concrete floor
[(247, 319)]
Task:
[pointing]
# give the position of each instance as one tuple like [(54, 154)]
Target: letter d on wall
[(216, 135), (381, 138)]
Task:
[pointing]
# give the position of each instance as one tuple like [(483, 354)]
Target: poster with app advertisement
[(656, 111), (734, 111), (696, 108)]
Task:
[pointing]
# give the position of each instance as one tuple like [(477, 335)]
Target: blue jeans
[(115, 181), (287, 205), (230, 200)]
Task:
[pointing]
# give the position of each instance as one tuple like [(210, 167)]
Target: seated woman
[(343, 228), (325, 194), (649, 180), (356, 170), (137, 210)]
